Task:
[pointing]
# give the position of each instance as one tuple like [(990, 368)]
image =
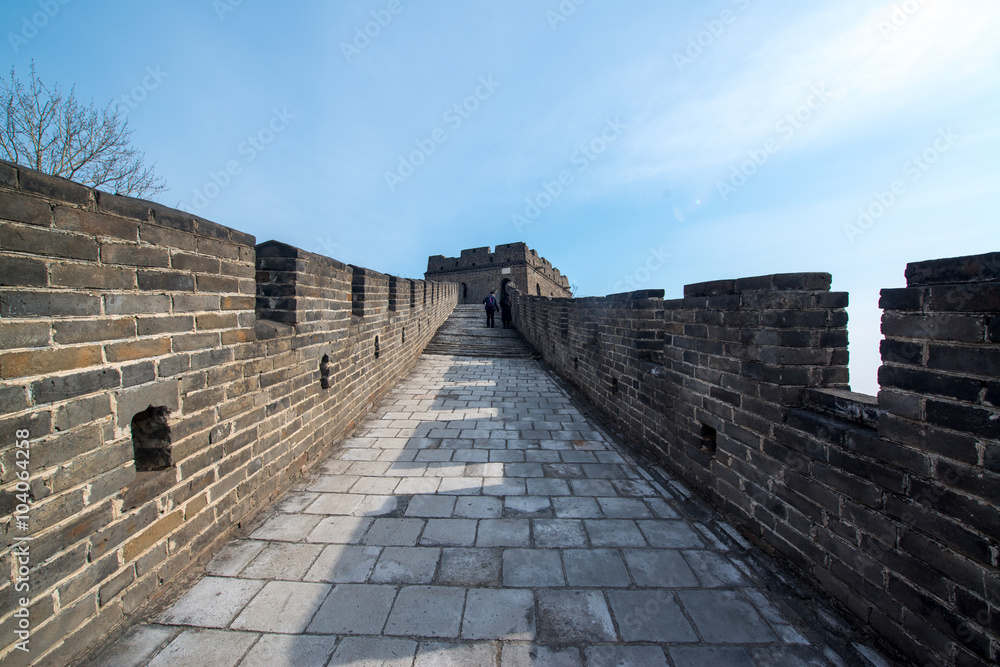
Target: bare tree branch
[(59, 136)]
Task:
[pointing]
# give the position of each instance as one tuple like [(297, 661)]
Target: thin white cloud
[(873, 68)]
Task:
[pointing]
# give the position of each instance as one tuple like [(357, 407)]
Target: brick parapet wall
[(890, 505), (109, 305)]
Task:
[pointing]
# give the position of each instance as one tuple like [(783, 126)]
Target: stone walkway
[(477, 518)]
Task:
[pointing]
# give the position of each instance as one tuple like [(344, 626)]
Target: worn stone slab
[(136, 647), (670, 534), (406, 565), (286, 527), (376, 486), (295, 501), (426, 611), (499, 614), (504, 533), (563, 533), (469, 455), (414, 486), (712, 656), (441, 654), (394, 532), (614, 533), (530, 655), (431, 506), (344, 563), (598, 568), (501, 486), (340, 530), (659, 568), (634, 488), (578, 457), (469, 567), (605, 471), (282, 606), (334, 504), (478, 507), (577, 508), (565, 471), (646, 656), (212, 603), (546, 486), (806, 656), (516, 506), (371, 468), (377, 506), (358, 454), (290, 651), (651, 616), (461, 486), (661, 508), (204, 647), (624, 508), (573, 616), (449, 532), (713, 569), (374, 652), (725, 617), (354, 609), (523, 470), (542, 456), (532, 568), (337, 467), (282, 560), (234, 557), (592, 487), (331, 483)]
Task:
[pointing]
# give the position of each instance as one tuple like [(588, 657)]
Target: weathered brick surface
[(112, 302), (47, 362), (891, 505)]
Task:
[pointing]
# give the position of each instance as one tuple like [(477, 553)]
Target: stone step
[(465, 334)]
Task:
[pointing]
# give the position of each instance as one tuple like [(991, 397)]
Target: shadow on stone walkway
[(478, 518)]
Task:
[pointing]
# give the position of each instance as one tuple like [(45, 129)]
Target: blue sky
[(695, 141)]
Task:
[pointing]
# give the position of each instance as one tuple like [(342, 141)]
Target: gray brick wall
[(109, 305), (889, 505)]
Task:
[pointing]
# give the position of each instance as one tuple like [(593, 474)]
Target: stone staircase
[(464, 334)]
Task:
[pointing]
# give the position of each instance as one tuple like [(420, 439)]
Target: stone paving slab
[(478, 518), (273, 650), (499, 614), (212, 603)]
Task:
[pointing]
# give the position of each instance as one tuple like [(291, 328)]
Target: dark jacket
[(505, 306)]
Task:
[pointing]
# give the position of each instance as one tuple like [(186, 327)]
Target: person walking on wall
[(505, 306), (491, 307)]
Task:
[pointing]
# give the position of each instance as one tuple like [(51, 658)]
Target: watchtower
[(479, 270)]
